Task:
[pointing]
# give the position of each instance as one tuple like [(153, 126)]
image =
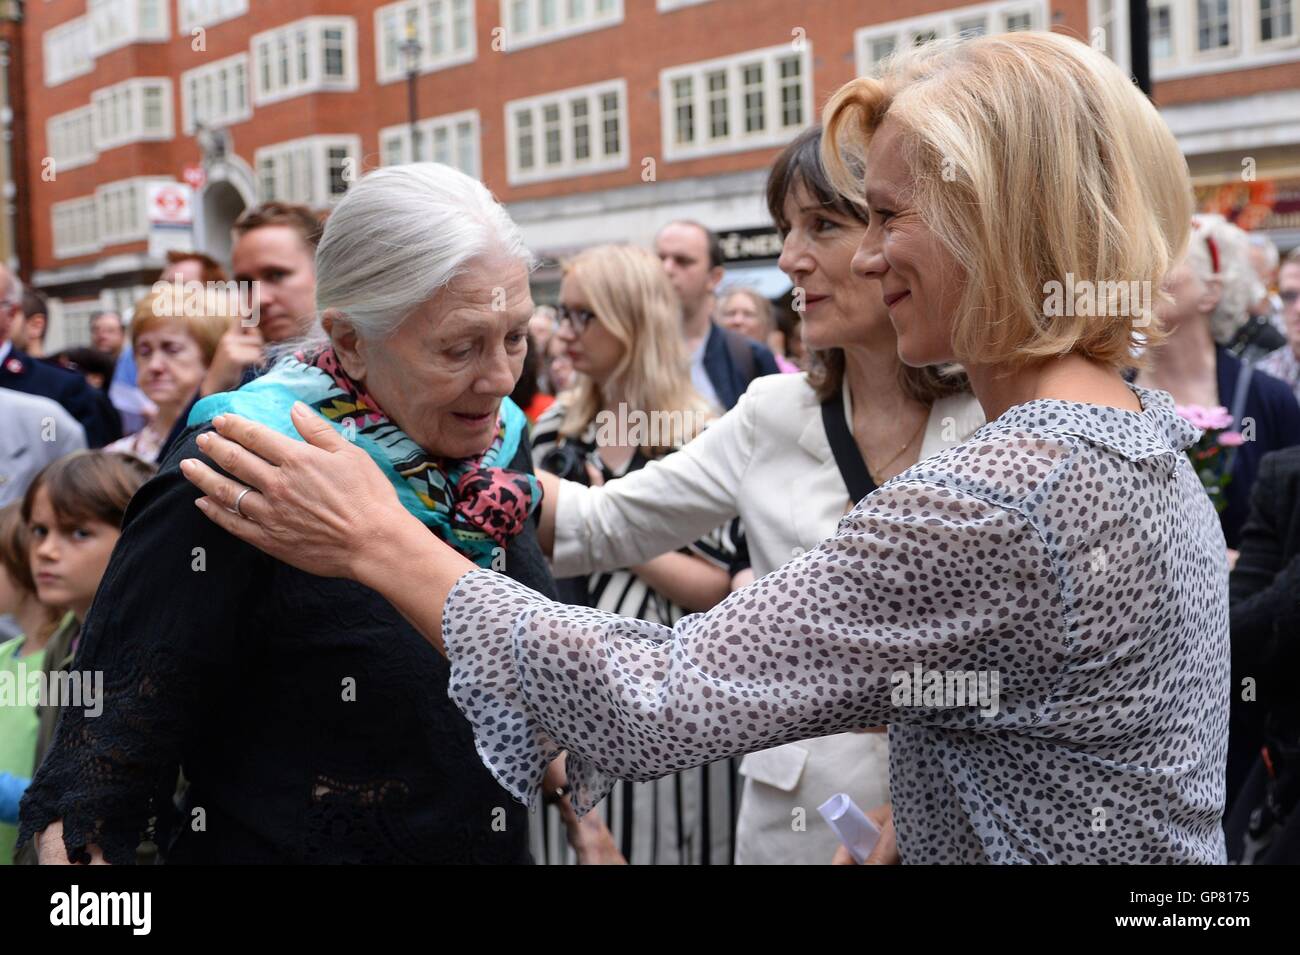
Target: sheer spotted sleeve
[(919, 578)]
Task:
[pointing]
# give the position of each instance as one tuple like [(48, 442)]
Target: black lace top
[(310, 719)]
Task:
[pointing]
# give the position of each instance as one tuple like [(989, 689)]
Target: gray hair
[(13, 294), (1241, 286), (399, 236)]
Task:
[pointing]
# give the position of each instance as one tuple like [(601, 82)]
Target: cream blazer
[(767, 460)]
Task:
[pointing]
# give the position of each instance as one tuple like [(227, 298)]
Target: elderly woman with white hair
[(311, 720), (1060, 553), (1208, 296)]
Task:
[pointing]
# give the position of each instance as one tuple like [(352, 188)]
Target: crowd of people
[(688, 534)]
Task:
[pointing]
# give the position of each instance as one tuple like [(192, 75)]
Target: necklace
[(885, 467)]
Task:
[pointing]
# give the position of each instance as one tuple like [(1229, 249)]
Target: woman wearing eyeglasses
[(632, 403)]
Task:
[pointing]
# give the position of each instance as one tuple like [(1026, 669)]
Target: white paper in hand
[(858, 833)]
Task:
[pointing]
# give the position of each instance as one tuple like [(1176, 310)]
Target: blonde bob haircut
[(1039, 165), (632, 299), (204, 317)]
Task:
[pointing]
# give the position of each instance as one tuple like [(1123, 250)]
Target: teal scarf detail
[(477, 505)]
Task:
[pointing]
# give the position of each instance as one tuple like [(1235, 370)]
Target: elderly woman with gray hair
[(311, 720), (1208, 294)]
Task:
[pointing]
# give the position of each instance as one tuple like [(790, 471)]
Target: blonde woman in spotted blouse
[(1065, 551)]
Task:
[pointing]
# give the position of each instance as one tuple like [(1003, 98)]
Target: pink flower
[(1231, 439), (1207, 419)]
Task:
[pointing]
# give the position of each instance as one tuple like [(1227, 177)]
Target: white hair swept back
[(397, 237)]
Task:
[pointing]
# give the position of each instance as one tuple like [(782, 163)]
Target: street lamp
[(411, 49)]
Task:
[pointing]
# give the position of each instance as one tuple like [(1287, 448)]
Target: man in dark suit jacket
[(20, 372), (723, 362), (1264, 593)]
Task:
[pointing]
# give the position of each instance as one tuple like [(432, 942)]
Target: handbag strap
[(853, 469)]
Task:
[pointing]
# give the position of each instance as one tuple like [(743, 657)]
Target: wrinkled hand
[(50, 849), (238, 348), (886, 850), (590, 838), (316, 504)]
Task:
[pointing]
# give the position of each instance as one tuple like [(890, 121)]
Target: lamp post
[(1139, 26), (411, 49)]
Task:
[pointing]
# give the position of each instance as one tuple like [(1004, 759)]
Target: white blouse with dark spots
[(1066, 554)]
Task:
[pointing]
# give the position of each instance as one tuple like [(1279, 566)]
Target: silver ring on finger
[(239, 498)]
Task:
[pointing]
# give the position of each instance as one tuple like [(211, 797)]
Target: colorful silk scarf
[(476, 505)]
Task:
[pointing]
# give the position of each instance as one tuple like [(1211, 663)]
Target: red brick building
[(595, 120)]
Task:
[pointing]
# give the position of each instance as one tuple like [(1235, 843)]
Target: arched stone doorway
[(228, 192), (222, 205)]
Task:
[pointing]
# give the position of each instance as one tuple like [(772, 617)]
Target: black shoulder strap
[(847, 456)]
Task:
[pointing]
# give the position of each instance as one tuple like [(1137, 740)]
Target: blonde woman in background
[(633, 403), (173, 338)]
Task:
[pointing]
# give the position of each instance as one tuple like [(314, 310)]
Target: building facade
[(594, 120)]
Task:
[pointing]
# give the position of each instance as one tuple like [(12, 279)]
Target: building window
[(206, 13), (751, 101), (75, 227), (452, 140), (444, 29), (68, 51), (1018, 20), (1213, 25), (1275, 22), (570, 132), (879, 41), (138, 110), (316, 54), (684, 104), (70, 138), (529, 22), (315, 171), (1161, 31), (118, 23), (216, 94), (716, 80)]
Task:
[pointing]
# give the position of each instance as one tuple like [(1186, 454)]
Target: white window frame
[(399, 136), (124, 18), (130, 195), (1281, 42), (1234, 46), (316, 81), (1246, 51), (85, 208), (304, 160), (210, 74), (737, 140), (133, 130), (668, 6), (385, 73), (1171, 6), (568, 168), (68, 147), (68, 51), (945, 24), (193, 14), (564, 27)]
